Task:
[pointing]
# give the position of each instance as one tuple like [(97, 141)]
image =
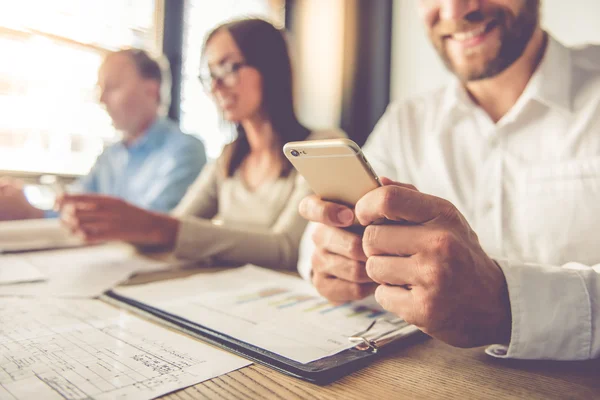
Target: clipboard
[(370, 343)]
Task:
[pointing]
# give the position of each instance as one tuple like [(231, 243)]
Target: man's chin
[(473, 72)]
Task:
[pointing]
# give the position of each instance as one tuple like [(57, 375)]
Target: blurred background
[(351, 58)]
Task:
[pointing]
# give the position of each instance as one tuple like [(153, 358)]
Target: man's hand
[(338, 263), (13, 203), (432, 270), (99, 218)]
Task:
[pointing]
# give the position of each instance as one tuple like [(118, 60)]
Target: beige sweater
[(223, 221)]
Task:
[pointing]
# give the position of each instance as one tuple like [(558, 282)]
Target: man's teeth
[(462, 36)]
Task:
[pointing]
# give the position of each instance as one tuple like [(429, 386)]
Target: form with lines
[(82, 349)]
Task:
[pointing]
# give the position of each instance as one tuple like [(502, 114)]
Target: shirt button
[(488, 207), (491, 138)]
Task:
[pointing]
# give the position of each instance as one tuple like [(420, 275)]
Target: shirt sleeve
[(202, 197), (277, 248), (89, 182), (84, 184), (307, 248), (555, 311), (377, 147), (176, 176)]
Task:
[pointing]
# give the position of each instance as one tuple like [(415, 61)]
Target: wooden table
[(428, 369)]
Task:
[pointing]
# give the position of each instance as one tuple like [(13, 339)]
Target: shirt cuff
[(193, 238), (307, 247), (551, 313), (50, 214)]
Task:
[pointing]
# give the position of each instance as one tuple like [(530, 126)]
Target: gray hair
[(156, 68)]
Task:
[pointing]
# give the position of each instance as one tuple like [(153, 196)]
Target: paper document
[(82, 272), (13, 269), (277, 312), (85, 349), (37, 234)]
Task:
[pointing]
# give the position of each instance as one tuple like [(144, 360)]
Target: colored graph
[(262, 294), (291, 301), (282, 298)]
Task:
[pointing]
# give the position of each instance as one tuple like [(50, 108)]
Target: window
[(199, 115), (51, 51)]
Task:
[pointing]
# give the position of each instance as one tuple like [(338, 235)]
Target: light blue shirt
[(154, 172)]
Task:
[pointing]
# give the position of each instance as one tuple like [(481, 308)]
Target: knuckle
[(388, 197), (443, 244), (303, 208), (310, 209), (448, 211), (427, 310), (318, 281), (434, 276), (316, 260), (356, 291), (369, 240), (317, 235), (357, 271), (354, 247), (319, 213), (372, 268), (381, 298)]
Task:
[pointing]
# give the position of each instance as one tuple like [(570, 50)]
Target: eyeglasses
[(226, 75)]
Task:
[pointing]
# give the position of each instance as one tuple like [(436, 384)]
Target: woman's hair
[(265, 49)]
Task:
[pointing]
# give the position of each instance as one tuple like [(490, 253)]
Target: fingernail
[(345, 216)]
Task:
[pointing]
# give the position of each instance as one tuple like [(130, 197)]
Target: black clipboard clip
[(381, 332)]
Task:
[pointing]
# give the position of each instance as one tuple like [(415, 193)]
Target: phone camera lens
[(295, 153)]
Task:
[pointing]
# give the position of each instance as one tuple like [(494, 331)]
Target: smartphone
[(335, 169)]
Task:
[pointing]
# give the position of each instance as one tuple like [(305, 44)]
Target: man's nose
[(458, 9)]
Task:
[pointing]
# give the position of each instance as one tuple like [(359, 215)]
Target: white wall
[(416, 67), (318, 54)]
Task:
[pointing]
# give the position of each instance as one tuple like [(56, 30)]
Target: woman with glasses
[(243, 208)]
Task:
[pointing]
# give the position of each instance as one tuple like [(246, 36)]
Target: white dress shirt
[(529, 185)]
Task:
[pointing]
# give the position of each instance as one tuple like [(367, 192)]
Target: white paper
[(13, 269), (35, 234), (82, 272), (277, 312), (85, 349)]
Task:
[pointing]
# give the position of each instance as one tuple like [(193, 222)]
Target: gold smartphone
[(335, 169)]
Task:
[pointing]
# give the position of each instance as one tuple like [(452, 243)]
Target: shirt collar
[(550, 84), (151, 139)]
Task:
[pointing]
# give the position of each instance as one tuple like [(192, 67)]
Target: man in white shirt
[(510, 149)]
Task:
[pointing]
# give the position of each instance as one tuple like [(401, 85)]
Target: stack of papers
[(36, 234), (82, 272), (14, 269), (83, 349)]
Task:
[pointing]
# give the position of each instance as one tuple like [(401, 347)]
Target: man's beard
[(515, 34)]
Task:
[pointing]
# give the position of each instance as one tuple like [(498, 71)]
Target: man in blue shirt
[(154, 163)]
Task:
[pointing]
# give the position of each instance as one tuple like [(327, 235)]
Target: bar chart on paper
[(280, 298), (279, 313), (85, 349)]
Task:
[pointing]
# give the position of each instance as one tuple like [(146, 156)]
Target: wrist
[(165, 231), (35, 213)]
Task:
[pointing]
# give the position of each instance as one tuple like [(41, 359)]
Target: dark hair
[(265, 49)]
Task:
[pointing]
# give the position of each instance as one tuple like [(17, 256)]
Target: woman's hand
[(99, 218)]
